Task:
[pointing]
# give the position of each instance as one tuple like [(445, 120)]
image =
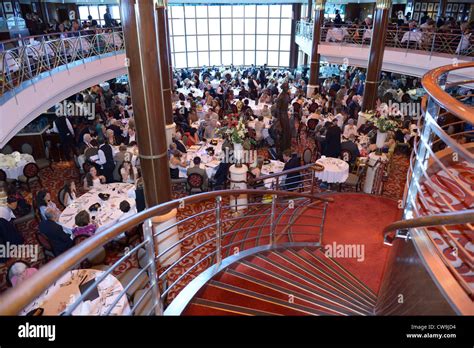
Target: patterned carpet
[(53, 181)]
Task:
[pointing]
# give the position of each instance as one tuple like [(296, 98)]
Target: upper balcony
[(407, 52), (39, 71)]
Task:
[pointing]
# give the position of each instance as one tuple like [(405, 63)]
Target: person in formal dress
[(92, 179), (43, 201), (333, 140), (175, 162), (69, 192), (291, 161), (59, 240), (177, 139), (198, 168), (350, 129), (63, 127), (106, 161)]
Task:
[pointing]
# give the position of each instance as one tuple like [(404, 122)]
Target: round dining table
[(335, 170), (108, 212), (64, 292)]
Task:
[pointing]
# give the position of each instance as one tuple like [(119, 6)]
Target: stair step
[(252, 298), (219, 308), (332, 266), (295, 284), (302, 264), (336, 294), (237, 278)]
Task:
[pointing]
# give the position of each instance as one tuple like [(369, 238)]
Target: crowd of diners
[(105, 148)]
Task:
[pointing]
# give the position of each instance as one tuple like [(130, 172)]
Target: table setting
[(272, 167), (210, 153), (335, 170), (66, 290), (14, 163), (102, 203)]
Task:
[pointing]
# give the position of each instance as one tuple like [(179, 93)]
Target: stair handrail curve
[(14, 300), (437, 201), (24, 59)]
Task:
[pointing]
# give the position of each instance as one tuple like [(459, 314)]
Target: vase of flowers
[(237, 133), (384, 125)]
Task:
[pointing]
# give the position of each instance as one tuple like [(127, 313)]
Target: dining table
[(335, 170), (66, 290), (107, 214), (208, 160), (13, 164), (272, 167)]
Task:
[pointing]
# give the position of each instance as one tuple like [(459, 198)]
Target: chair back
[(195, 181), (61, 195), (27, 148), (44, 242), (346, 156), (79, 239), (31, 170), (311, 124), (7, 150), (3, 176), (307, 156)]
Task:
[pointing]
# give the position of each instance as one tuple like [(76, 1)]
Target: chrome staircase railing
[(215, 230), (25, 59), (439, 201)]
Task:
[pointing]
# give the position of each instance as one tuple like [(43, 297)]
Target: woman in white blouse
[(69, 192), (92, 180), (128, 173), (350, 129)]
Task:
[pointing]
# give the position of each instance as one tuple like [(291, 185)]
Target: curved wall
[(31, 100)]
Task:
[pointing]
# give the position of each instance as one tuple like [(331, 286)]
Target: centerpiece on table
[(238, 134), (383, 124)]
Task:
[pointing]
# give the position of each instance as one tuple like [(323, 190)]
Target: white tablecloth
[(109, 212), (14, 163), (266, 120), (257, 109), (59, 296), (335, 170), (367, 34), (195, 91), (210, 163), (273, 167), (412, 36)]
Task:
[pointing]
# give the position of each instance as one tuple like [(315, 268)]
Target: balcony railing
[(25, 59), (455, 44)]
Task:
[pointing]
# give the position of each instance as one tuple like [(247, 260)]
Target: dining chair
[(195, 183), (30, 174), (7, 150)]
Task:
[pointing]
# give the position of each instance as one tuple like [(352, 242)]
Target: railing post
[(272, 221), (150, 252), (218, 230), (313, 174)]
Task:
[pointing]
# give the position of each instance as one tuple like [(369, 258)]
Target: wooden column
[(293, 46), (310, 10), (315, 58), (377, 47), (163, 37), (146, 89)]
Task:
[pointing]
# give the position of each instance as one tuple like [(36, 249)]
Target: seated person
[(292, 161), (59, 240), (92, 180), (22, 206), (175, 162), (221, 175), (349, 129), (259, 126), (352, 147), (69, 192), (210, 130), (84, 225), (19, 272), (126, 209), (266, 111), (43, 199), (128, 173), (177, 139), (199, 169)]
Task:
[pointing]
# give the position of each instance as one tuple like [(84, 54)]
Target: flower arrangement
[(236, 131), (383, 123)]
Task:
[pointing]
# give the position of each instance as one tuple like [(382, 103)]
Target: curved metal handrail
[(14, 300), (431, 84)]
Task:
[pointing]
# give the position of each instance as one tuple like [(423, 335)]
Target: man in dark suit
[(291, 161), (351, 146), (333, 141), (179, 143), (60, 241)]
